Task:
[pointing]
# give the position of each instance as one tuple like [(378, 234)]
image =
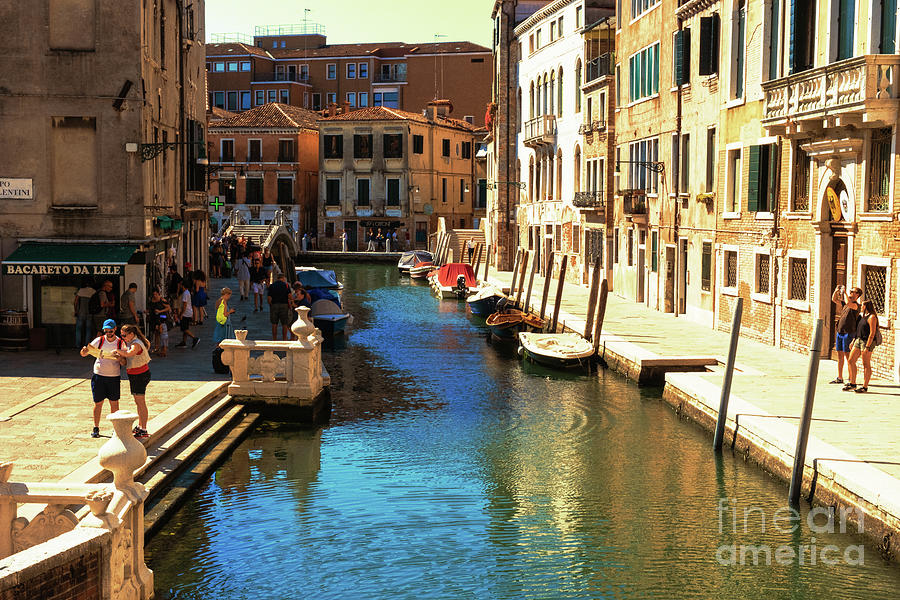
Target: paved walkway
[(771, 379), (46, 406)]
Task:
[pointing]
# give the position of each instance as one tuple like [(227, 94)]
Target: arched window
[(531, 178), (578, 85), (546, 89), (559, 177), (538, 180), (559, 100), (577, 165), (520, 114), (552, 92), (531, 101)]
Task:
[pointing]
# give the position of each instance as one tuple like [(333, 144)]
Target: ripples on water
[(452, 470)]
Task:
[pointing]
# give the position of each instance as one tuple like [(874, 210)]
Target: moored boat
[(484, 301), (412, 258), (506, 325), (322, 284), (558, 350), (329, 317), (454, 280), (421, 270)]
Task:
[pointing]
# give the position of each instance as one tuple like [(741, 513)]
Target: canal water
[(450, 469)]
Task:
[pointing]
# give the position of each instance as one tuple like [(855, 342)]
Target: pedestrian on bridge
[(106, 379), (243, 276), (137, 366)]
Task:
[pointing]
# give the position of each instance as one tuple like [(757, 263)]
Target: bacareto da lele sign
[(74, 269)]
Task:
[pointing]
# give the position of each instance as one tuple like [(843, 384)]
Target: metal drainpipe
[(676, 177)]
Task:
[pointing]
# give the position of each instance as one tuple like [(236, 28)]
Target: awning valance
[(35, 258)]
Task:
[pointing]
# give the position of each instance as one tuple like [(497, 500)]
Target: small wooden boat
[(412, 258), (533, 323), (557, 350), (320, 283), (421, 270), (454, 281), (328, 317), (484, 301), (506, 325)]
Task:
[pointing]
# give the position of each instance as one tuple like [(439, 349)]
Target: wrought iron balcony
[(540, 131), (860, 91), (634, 202), (598, 67), (593, 200)]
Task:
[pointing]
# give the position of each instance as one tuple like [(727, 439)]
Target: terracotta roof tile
[(381, 113), (379, 49), (272, 115), (217, 114), (236, 49)]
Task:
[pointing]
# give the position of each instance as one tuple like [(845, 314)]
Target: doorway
[(641, 265), (838, 277), (350, 228)]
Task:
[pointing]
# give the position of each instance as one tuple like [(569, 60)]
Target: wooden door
[(838, 277)]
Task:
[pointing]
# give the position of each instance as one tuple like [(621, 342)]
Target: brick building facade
[(294, 65), (266, 159)]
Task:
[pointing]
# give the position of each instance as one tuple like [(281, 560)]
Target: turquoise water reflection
[(451, 470)]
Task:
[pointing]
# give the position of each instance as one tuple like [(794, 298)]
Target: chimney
[(437, 108), (345, 107)]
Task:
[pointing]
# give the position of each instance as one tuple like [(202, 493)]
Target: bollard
[(546, 290), (512, 282), (487, 262), (534, 267), (559, 293), (729, 372), (521, 285), (815, 350), (592, 301)]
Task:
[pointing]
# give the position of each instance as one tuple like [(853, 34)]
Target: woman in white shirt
[(137, 365)]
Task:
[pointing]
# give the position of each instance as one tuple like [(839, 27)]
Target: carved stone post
[(7, 513)]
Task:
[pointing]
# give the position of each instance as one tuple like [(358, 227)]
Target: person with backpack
[(105, 381), (84, 324), (867, 337), (103, 305), (137, 365)]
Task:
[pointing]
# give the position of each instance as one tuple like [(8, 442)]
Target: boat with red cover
[(454, 280)]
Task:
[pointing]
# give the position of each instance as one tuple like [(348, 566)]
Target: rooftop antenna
[(436, 36)]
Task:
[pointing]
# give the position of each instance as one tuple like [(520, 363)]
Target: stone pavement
[(771, 379), (45, 397)]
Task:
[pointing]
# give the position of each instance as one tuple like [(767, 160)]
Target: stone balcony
[(540, 131), (590, 200), (860, 92)]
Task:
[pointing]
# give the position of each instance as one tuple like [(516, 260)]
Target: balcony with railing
[(859, 91), (278, 76), (634, 202), (540, 131), (389, 77), (598, 67), (590, 200)]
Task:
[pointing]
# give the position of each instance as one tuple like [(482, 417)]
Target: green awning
[(35, 258)]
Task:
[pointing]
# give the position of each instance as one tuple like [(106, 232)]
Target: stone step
[(198, 472)]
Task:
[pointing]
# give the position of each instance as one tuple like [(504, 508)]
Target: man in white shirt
[(344, 241), (107, 375), (187, 315), (243, 275)]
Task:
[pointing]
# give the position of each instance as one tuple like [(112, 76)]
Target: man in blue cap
[(107, 377)]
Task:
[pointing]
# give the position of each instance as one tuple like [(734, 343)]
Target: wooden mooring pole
[(592, 301), (719, 435), (559, 293), (547, 274), (803, 432), (487, 263), (478, 250), (521, 285), (601, 312), (535, 265), (512, 282)]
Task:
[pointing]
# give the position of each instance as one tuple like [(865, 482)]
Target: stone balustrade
[(289, 372), (857, 90), (54, 553)]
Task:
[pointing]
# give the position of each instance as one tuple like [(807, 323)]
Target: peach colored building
[(266, 159)]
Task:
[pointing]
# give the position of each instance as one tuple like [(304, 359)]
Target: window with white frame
[(272, 95), (363, 70), (733, 181), (706, 266), (762, 273), (730, 276), (874, 283), (285, 96), (879, 170), (798, 278), (738, 42), (260, 97), (351, 70), (630, 249), (363, 97), (643, 73), (711, 159), (639, 175), (331, 71), (304, 72), (245, 65), (232, 67), (351, 99), (639, 7), (219, 67), (331, 98)]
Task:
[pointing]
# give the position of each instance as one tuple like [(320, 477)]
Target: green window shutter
[(774, 161), (682, 56), (753, 187)]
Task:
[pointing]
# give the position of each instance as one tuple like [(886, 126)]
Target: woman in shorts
[(137, 365)]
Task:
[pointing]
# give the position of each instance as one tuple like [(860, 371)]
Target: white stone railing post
[(298, 375)]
